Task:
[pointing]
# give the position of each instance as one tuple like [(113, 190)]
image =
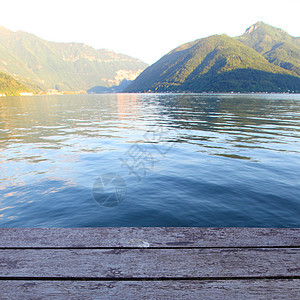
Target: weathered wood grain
[(223, 289), (152, 237), (150, 263)]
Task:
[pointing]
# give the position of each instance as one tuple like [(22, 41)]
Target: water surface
[(153, 160)]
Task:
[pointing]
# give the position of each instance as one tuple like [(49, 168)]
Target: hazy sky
[(144, 29)]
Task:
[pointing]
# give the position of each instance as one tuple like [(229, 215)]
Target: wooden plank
[(148, 237), (150, 263), (221, 289)]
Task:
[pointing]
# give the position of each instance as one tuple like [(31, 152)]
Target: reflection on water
[(233, 160)]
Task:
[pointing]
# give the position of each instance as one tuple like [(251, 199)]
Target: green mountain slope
[(11, 87), (63, 66), (278, 47), (218, 63)]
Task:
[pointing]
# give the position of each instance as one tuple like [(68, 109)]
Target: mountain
[(220, 63), (107, 90), (63, 66), (278, 47), (12, 87)]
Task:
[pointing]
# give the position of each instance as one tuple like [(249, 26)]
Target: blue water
[(150, 160)]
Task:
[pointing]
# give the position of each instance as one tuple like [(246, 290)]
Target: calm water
[(150, 160)]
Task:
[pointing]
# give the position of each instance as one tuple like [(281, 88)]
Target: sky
[(144, 29)]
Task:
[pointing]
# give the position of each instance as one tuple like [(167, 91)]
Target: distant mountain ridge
[(108, 90), (263, 59), (63, 66)]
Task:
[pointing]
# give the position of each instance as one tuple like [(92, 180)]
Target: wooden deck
[(150, 263)]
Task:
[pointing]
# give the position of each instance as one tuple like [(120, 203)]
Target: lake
[(150, 160)]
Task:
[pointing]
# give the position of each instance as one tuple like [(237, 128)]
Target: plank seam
[(148, 248), (147, 278)]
